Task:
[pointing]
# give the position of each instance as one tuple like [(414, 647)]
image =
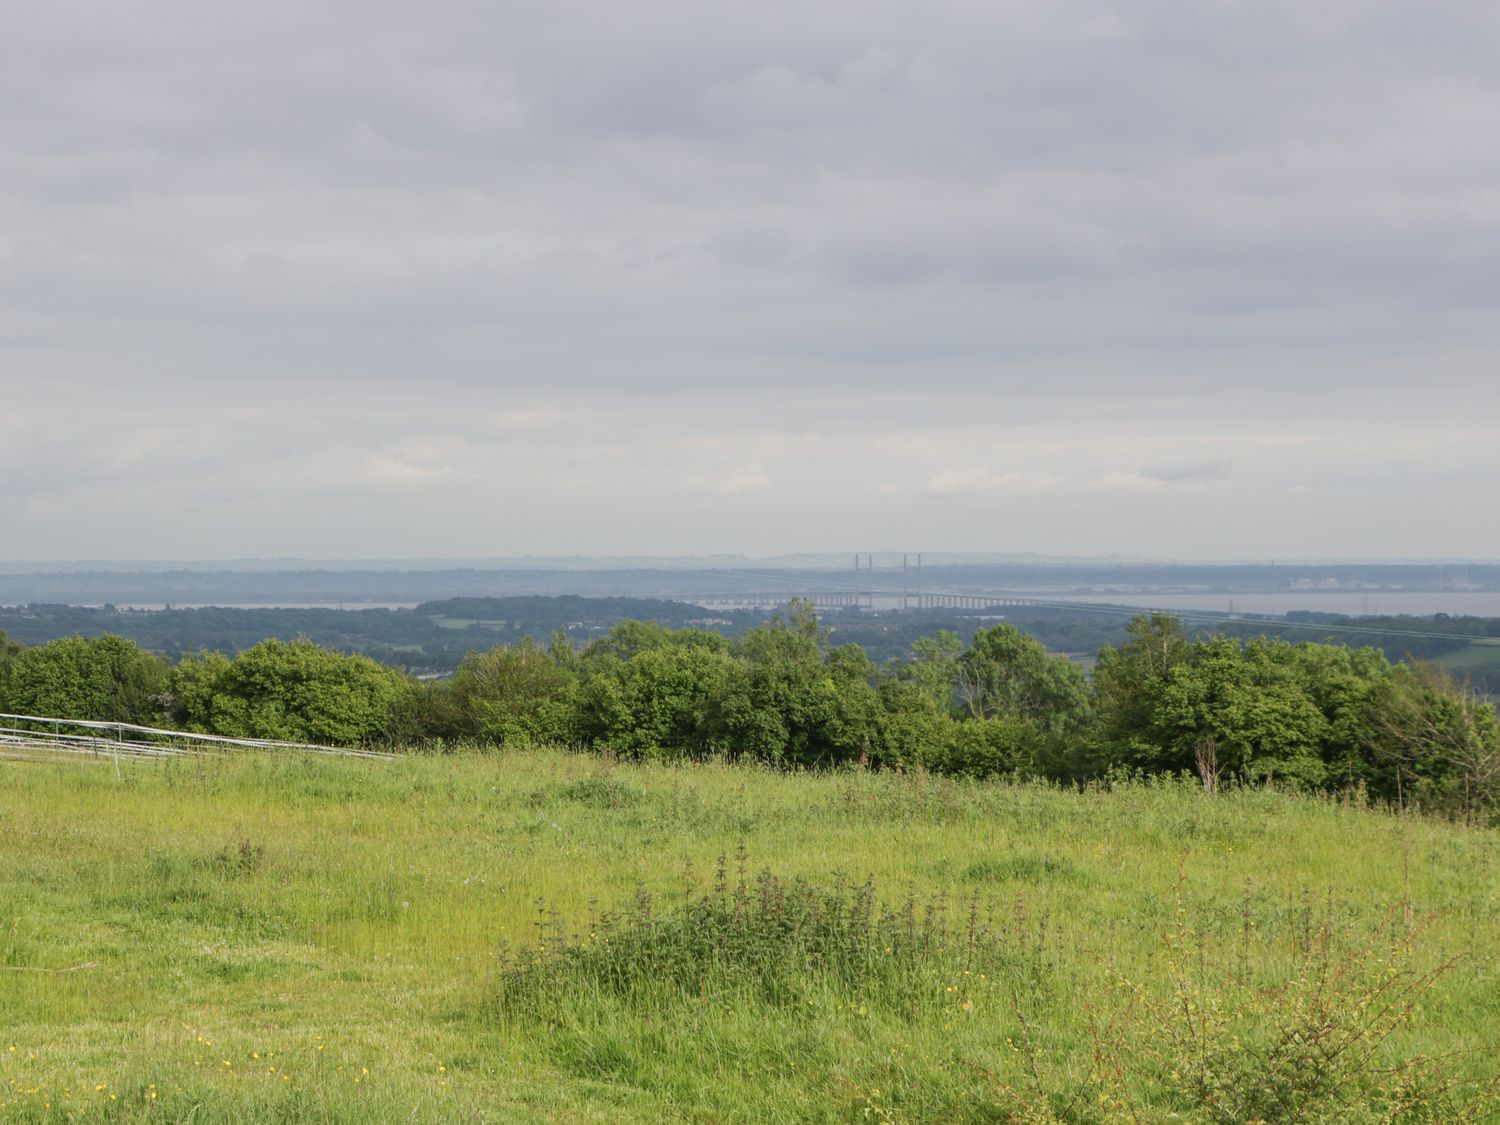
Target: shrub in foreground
[(767, 937)]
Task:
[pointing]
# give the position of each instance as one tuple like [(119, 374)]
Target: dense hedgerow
[(1314, 716)]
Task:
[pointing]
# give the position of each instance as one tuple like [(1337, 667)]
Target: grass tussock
[(778, 941)]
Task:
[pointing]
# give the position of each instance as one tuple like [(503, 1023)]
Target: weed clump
[(243, 858), (776, 938), (1023, 868), (602, 790)]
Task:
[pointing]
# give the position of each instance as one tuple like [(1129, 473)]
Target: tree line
[(435, 636), (1312, 715)]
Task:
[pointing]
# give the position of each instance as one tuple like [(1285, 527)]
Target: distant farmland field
[(1478, 662), (547, 936), (1479, 654)]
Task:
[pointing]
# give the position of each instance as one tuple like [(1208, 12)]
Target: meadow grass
[(540, 935)]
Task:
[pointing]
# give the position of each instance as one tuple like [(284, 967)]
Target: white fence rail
[(116, 740)]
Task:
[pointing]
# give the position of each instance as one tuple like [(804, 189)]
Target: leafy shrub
[(913, 736), (663, 701), (516, 695), (288, 690), (984, 747)]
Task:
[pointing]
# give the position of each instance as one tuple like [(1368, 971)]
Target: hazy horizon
[(830, 560), (1177, 281)]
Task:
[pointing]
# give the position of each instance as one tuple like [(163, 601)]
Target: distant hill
[(434, 636)]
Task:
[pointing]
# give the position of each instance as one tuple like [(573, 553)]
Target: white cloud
[(1123, 480), (387, 473), (979, 481), (746, 478)]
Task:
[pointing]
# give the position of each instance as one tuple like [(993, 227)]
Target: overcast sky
[(1195, 279)]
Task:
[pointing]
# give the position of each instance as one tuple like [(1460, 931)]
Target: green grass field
[(1481, 655), (309, 939), (468, 622)]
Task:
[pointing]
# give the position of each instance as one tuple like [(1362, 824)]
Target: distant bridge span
[(868, 599)]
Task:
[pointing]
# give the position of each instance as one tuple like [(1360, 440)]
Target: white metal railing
[(101, 738)]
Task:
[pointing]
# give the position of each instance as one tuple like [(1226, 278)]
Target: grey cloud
[(879, 217), (1189, 472)]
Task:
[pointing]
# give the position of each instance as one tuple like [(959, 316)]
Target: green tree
[(1244, 708), (934, 665), (914, 730), (198, 701), (1005, 744), (665, 701), (106, 678), (9, 650), (1128, 682), (1435, 741), (1347, 686), (428, 715), (631, 637), (516, 695), (853, 727), (290, 690), (1007, 672), (798, 703)]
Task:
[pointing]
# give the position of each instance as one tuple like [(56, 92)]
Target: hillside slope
[(277, 938)]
